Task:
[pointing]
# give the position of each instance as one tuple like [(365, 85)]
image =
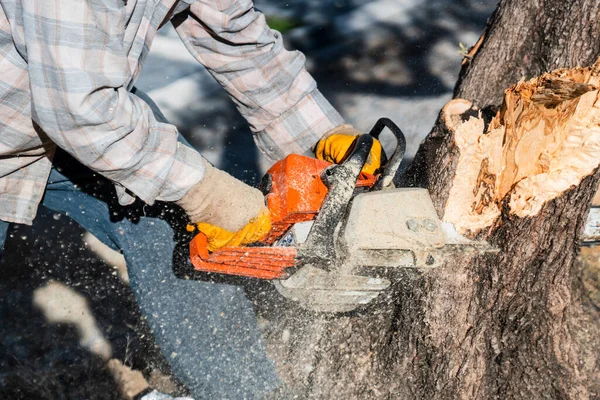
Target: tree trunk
[(526, 39), (509, 325)]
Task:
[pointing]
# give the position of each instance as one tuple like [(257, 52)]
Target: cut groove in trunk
[(544, 140)]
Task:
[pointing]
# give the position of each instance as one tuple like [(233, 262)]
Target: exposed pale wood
[(473, 50), (544, 140)]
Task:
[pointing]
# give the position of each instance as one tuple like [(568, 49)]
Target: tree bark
[(506, 325), (525, 39)]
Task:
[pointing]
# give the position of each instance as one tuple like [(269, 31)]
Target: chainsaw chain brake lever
[(340, 180), (386, 178), (317, 282)]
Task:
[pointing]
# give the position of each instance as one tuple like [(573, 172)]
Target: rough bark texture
[(526, 39), (501, 326)]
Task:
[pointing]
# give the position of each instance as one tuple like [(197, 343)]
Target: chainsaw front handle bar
[(386, 179), (340, 180)]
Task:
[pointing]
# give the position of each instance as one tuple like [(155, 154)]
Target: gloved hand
[(226, 210), (335, 146)]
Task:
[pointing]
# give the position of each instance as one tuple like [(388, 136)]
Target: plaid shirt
[(66, 70)]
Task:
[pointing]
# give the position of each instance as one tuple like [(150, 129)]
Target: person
[(78, 139)]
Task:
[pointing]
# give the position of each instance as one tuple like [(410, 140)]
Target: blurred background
[(393, 58), (65, 305)]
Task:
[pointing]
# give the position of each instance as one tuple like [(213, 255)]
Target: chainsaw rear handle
[(391, 167)]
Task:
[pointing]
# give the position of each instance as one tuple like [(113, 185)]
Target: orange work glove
[(336, 145), (226, 210)]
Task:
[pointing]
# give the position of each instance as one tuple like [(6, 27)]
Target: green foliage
[(463, 50), (283, 24)]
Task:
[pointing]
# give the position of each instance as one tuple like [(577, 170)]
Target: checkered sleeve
[(78, 72), (269, 85)]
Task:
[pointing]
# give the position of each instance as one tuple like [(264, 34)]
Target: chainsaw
[(338, 234)]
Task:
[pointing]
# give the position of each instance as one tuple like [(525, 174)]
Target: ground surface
[(65, 310)]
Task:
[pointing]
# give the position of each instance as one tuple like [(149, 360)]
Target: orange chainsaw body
[(295, 194)]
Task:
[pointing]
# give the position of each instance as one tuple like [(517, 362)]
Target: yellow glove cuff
[(337, 147), (255, 230)]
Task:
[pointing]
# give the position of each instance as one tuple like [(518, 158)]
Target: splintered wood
[(544, 140)]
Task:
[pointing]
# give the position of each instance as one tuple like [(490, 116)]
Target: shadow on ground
[(42, 359)]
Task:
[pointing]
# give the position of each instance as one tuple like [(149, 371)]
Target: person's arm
[(78, 71), (269, 85)]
